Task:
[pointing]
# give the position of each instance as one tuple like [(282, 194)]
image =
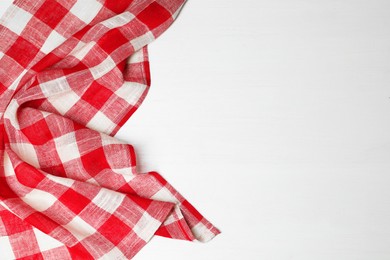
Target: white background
[(273, 119)]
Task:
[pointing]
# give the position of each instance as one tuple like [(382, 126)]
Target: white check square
[(60, 94), (146, 226), (118, 20), (131, 92), (26, 152), (39, 200), (86, 10), (45, 242), (100, 122), (108, 200), (66, 147), (79, 228), (53, 41), (17, 19), (143, 40), (8, 167), (82, 49), (103, 68), (6, 248)]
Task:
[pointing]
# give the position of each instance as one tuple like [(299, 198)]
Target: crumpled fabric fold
[(71, 74)]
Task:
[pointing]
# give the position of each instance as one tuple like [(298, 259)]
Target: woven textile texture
[(71, 74)]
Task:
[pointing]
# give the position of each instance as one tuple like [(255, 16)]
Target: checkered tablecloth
[(71, 74)]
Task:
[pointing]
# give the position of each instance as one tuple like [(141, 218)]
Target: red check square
[(22, 51), (95, 161), (97, 95), (51, 13), (108, 45), (74, 201), (154, 15), (38, 133), (114, 229)]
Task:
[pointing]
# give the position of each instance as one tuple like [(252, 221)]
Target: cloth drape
[(72, 72)]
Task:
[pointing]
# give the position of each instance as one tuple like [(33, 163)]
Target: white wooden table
[(273, 119)]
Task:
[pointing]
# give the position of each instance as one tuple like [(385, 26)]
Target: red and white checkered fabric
[(71, 73)]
